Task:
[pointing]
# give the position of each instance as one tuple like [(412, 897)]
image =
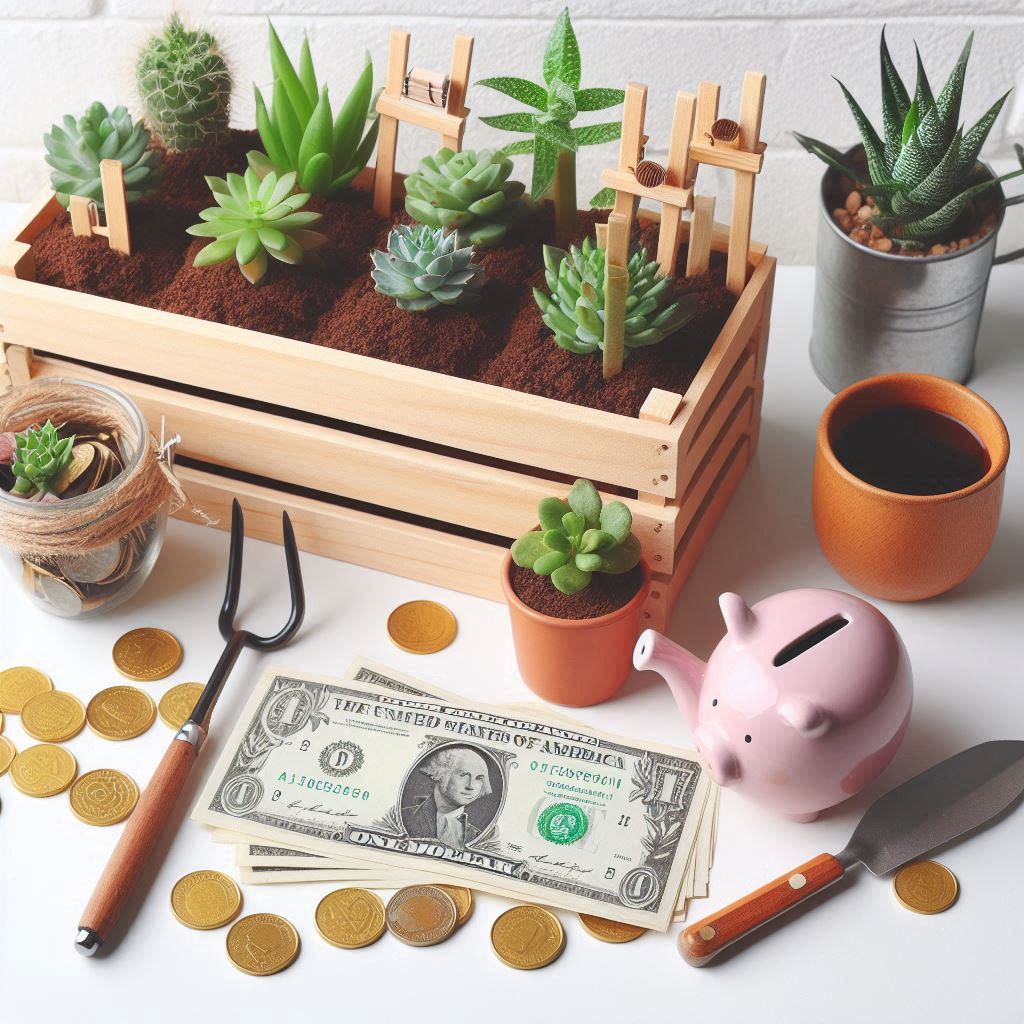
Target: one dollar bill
[(375, 769)]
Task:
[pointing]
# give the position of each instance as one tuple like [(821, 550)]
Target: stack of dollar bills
[(381, 781)]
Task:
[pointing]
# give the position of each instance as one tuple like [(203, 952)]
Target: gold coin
[(147, 654), (610, 931), (103, 797), (262, 944), (422, 627), (350, 918), (421, 915), (177, 703), (82, 457), (53, 717), (44, 770), (18, 685), (8, 752), (527, 937), (120, 712), (463, 900), (926, 887), (205, 900)]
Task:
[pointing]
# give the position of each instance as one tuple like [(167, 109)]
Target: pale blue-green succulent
[(577, 538), (426, 267), (575, 308), (75, 148)]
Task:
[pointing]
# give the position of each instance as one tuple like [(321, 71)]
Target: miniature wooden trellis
[(692, 143), (85, 217), (425, 98)]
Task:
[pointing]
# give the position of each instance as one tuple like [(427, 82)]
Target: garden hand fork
[(145, 826)]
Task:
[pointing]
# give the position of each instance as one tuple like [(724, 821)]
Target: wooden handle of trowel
[(703, 940)]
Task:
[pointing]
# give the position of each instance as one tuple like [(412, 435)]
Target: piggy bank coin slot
[(810, 639)]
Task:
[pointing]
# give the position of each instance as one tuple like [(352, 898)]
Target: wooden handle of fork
[(136, 845)]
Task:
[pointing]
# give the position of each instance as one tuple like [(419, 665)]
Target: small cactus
[(577, 538), (39, 455), (185, 86)]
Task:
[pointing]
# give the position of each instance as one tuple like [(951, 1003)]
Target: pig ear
[(807, 718), (739, 619)]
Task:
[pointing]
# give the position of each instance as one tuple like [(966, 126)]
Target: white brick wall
[(57, 55)]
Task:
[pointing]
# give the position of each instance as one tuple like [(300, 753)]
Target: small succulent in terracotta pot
[(575, 589)]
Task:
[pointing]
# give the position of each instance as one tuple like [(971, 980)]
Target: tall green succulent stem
[(565, 197)]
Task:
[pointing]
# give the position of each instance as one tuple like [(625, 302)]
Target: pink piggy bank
[(803, 703)]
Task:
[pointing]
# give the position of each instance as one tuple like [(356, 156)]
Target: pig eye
[(714, 703), (746, 739)]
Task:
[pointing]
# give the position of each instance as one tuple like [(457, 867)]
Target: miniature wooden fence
[(444, 112), (691, 124)]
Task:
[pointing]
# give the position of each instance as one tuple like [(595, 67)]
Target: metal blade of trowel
[(949, 799)]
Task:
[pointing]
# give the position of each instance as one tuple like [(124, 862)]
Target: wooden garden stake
[(85, 213), (616, 288), (751, 105), (702, 224), (423, 98)]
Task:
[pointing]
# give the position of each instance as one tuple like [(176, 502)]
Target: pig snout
[(721, 761)]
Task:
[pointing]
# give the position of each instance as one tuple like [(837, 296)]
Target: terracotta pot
[(906, 547), (576, 662)]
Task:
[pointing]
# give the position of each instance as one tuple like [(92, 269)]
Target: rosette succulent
[(254, 218), (467, 191), (923, 168), (300, 132), (575, 308), (424, 268), (39, 456), (185, 86), (577, 538), (74, 150)]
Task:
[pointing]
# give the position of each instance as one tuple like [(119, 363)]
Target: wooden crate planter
[(465, 459)]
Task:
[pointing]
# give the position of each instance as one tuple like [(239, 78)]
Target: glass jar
[(103, 578)]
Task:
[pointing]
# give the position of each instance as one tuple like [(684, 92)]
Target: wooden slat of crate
[(742, 378), (391, 475), (735, 336), (458, 413), (359, 537), (665, 589)]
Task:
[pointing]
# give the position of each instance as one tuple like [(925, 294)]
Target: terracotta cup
[(906, 547), (576, 662)]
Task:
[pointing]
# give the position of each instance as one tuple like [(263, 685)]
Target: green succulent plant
[(467, 191), (75, 149), (254, 218), (300, 132), (557, 104), (424, 268), (39, 455), (577, 538), (923, 168), (185, 86), (575, 308)]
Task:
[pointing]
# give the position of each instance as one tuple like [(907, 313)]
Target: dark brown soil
[(605, 594), (331, 301)]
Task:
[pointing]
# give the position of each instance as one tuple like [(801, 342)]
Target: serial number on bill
[(316, 785)]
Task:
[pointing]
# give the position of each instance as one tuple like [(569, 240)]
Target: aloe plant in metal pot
[(908, 234)]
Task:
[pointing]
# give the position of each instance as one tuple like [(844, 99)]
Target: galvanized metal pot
[(879, 313)]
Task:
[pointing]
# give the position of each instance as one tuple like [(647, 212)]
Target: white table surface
[(859, 955)]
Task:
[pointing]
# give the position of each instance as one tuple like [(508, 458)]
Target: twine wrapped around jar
[(64, 530)]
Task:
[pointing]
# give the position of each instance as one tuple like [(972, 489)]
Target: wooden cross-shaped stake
[(394, 106), (85, 217)]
